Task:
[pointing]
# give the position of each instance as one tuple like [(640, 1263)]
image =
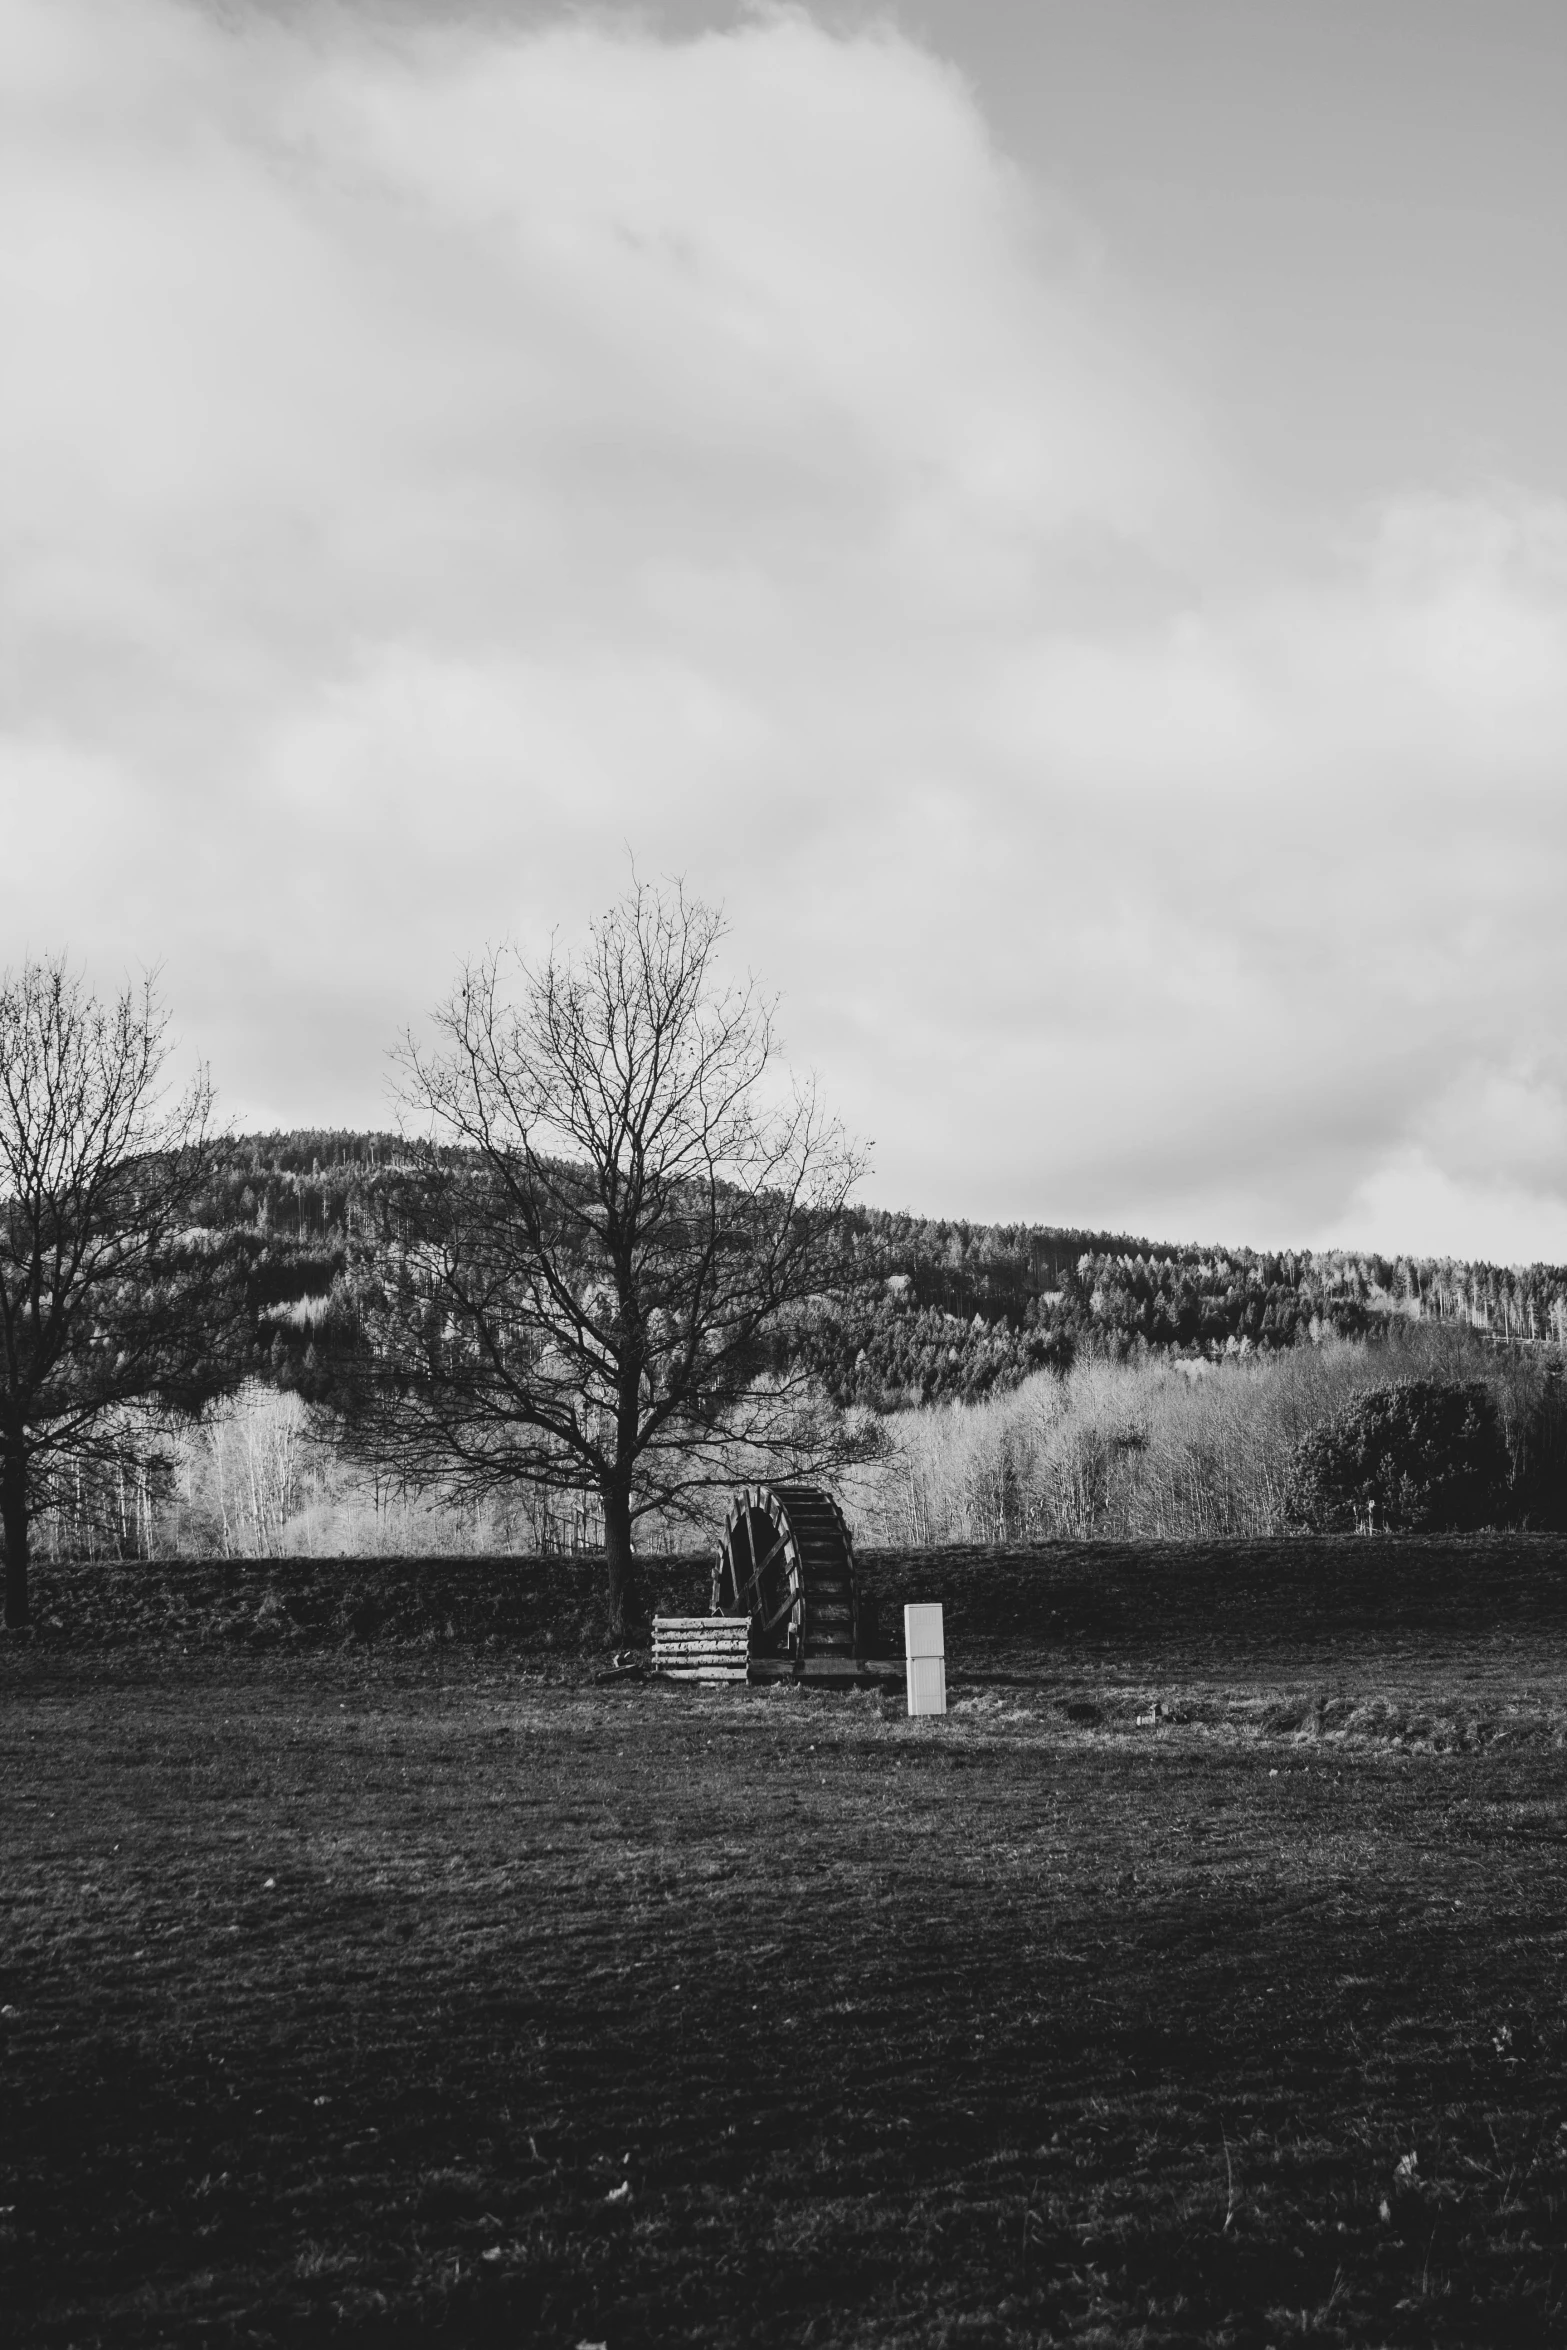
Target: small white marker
[(925, 1658)]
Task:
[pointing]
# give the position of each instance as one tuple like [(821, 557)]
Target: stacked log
[(701, 1648)]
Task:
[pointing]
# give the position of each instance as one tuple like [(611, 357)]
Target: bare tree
[(106, 1299), (582, 1280)]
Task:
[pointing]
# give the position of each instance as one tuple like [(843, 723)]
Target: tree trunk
[(13, 1516), (619, 1561)]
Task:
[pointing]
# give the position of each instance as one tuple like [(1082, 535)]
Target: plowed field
[(1199, 1979)]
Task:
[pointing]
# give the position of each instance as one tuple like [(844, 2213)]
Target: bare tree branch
[(586, 1276), (107, 1297)]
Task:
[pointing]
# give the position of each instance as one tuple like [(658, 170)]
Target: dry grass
[(1043, 2023)]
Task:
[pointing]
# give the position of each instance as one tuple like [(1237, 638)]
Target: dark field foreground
[(413, 1988)]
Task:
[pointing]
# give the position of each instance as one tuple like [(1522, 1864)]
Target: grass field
[(408, 1984)]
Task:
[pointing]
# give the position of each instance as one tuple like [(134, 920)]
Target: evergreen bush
[(1421, 1455)]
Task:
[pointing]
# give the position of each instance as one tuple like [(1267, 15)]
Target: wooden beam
[(779, 1614), (755, 1583)]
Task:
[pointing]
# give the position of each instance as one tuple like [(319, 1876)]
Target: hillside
[(935, 1308)]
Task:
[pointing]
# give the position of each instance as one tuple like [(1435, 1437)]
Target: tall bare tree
[(106, 1300), (582, 1279)]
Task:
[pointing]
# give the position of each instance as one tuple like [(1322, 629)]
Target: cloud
[(435, 456)]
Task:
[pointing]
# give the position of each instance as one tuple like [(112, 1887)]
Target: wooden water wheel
[(787, 1562)]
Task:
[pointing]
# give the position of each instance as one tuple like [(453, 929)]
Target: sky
[(1054, 516)]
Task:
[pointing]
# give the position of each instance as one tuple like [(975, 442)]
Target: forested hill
[(943, 1308)]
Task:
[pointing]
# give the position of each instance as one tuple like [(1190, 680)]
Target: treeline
[(962, 1311), (1174, 1448), (930, 1310), (928, 1314)]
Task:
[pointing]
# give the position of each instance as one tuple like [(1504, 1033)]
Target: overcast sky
[(1054, 514)]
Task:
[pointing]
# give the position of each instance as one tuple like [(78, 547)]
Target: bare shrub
[(1166, 1448)]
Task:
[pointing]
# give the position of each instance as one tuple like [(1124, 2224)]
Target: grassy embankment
[(351, 1980)]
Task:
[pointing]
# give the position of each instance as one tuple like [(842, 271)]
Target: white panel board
[(927, 1685), (922, 1632)]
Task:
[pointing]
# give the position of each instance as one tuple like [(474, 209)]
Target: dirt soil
[(1199, 1979)]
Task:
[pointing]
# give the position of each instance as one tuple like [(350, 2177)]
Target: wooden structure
[(700, 1648), (787, 1568)]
